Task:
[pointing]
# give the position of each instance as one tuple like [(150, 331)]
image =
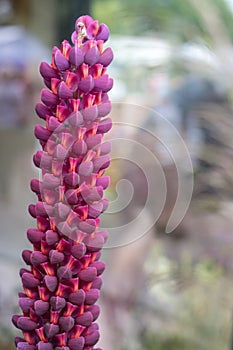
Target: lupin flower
[(62, 282)]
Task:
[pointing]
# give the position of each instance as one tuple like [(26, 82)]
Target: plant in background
[(62, 282)]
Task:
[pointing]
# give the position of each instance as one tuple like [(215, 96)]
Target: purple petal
[(77, 298), (66, 323), (78, 250), (75, 119), (64, 273), (29, 281), (63, 91), (100, 267), (26, 324), (97, 283), (50, 181), (94, 210), (47, 71), (71, 197), (85, 168), (105, 203), (95, 243), (32, 210), (103, 32), (95, 310), (103, 83), (104, 109), (101, 162), (104, 126), (92, 338), (90, 113), (85, 319), (34, 235), (41, 307), (44, 346), (88, 226), (56, 257), (57, 303), (86, 84), (54, 124), (41, 132), (103, 181), (26, 303), (26, 255), (93, 141), (76, 56), (51, 282), (48, 98), (88, 275), (51, 330), (60, 152), (79, 148), (71, 179), (42, 110), (92, 296), (86, 20), (106, 57), (25, 346), (51, 237), (106, 148), (61, 62), (76, 343), (92, 56), (38, 258)]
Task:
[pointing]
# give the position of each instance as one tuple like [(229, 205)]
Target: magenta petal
[(75, 119), (63, 91), (26, 303), (92, 55), (25, 346), (41, 307), (48, 98), (90, 114), (26, 324), (51, 237), (87, 226), (105, 148), (76, 343), (95, 243), (100, 267), (86, 20), (97, 283), (77, 298), (71, 179), (103, 32), (104, 126), (79, 147), (95, 310), (85, 319), (47, 71), (86, 84), (106, 57), (26, 255), (85, 168), (93, 141), (51, 330), (78, 250), (92, 296), (41, 132), (66, 323), (64, 273), (76, 56), (63, 210), (103, 181), (103, 83), (34, 235), (38, 258), (54, 124), (29, 281), (104, 109), (101, 162), (56, 257), (94, 210), (44, 346), (51, 282), (61, 62), (42, 110), (88, 275), (50, 181), (92, 338), (57, 303)]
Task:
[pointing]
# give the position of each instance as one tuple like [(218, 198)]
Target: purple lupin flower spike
[(62, 283)]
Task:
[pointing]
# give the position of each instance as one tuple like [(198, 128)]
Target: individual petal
[(56, 257), (87, 226), (71, 179), (85, 168), (38, 258), (92, 296), (86, 84), (104, 126), (25, 346), (26, 303), (104, 109), (105, 148), (29, 281), (92, 338), (53, 124), (79, 147), (26, 255), (94, 244), (88, 275), (26, 324), (95, 209), (103, 32), (95, 311), (100, 267), (41, 307), (85, 319), (97, 283), (48, 98), (66, 323), (78, 250), (42, 110), (51, 330), (41, 132), (57, 303), (44, 346), (64, 273), (106, 57), (47, 71), (103, 83), (51, 282), (64, 92), (90, 114), (76, 343), (51, 237), (92, 56), (50, 181), (75, 119), (78, 297), (61, 62), (76, 56), (103, 181), (34, 235)]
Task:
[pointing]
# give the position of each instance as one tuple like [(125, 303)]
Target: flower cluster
[(62, 282)]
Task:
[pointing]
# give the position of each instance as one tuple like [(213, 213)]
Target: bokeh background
[(175, 57)]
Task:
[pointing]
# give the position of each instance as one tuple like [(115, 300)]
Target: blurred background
[(174, 58)]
